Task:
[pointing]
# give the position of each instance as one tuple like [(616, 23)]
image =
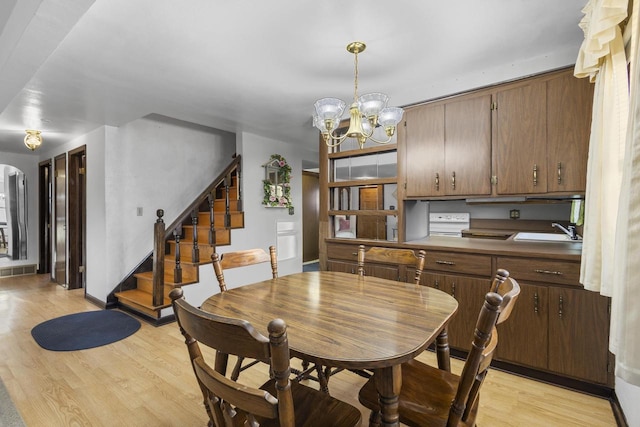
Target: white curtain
[(611, 245)]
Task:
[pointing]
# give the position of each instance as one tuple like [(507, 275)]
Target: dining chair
[(434, 397), (229, 403), (238, 259), (404, 258)]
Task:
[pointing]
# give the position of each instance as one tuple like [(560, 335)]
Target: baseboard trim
[(618, 414)]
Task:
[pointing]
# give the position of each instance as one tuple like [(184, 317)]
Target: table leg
[(442, 351), (388, 382)]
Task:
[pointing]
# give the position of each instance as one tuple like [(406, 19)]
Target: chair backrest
[(497, 307), (227, 402), (242, 259), (402, 257)]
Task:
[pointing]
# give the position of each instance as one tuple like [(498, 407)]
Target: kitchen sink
[(544, 237)]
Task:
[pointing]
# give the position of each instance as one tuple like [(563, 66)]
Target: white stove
[(448, 224)]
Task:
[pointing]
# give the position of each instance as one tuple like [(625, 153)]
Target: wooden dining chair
[(278, 402), (238, 259), (434, 397), (403, 258)]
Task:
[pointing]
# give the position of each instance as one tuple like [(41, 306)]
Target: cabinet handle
[(560, 306), (354, 253), (445, 262), (535, 302), (453, 180), (437, 181), (535, 175), (555, 273), (453, 290), (436, 284), (559, 173)]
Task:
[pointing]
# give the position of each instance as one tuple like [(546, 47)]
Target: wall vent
[(17, 271)]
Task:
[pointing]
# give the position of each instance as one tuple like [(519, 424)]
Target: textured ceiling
[(68, 67)]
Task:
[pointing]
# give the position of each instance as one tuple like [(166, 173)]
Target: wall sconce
[(33, 139)]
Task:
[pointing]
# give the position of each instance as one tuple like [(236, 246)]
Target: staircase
[(183, 247)]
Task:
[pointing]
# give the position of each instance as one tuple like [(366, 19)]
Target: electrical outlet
[(514, 214), (139, 211)]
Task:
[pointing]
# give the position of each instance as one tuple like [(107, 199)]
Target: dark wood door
[(342, 266), (371, 226), (45, 197), (468, 146), (310, 216), (578, 333), (424, 140), (523, 337), (77, 214), (60, 185), (521, 139), (569, 102)]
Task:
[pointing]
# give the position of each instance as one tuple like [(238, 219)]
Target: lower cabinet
[(469, 292), (556, 326)]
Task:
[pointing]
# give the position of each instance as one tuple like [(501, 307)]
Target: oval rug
[(84, 330)]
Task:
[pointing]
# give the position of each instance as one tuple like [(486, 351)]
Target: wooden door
[(469, 292), (310, 216), (342, 266), (45, 197), (424, 141), (468, 146), (371, 226), (569, 102), (521, 139), (523, 338), (391, 272), (578, 334), (60, 185), (77, 215)]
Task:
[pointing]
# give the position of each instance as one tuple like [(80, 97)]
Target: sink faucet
[(570, 230)]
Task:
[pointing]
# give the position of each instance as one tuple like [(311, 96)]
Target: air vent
[(17, 271)]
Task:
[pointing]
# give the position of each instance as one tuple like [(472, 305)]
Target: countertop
[(569, 251)]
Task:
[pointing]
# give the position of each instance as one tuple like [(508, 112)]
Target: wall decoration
[(277, 183)]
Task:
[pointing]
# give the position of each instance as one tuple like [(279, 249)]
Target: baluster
[(227, 212), (177, 271), (212, 230), (158, 259), (239, 188), (195, 251)]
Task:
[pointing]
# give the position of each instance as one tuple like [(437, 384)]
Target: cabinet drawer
[(478, 265), (542, 270), (342, 251)]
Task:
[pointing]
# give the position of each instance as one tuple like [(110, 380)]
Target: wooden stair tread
[(142, 299), (168, 278)]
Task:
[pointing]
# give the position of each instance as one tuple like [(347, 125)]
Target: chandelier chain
[(355, 86)]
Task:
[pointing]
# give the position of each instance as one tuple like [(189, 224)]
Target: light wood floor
[(146, 379)]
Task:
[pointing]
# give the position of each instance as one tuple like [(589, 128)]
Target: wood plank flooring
[(146, 379)]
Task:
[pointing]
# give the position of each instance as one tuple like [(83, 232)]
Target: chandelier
[(33, 139), (367, 113)]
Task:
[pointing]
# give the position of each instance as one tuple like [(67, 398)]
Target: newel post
[(158, 259)]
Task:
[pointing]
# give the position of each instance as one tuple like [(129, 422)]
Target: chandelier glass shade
[(33, 139), (366, 113)]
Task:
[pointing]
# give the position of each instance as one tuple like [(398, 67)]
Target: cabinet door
[(342, 266), (521, 139), (578, 334), (523, 337), (468, 146), (424, 139), (569, 102), (382, 271)]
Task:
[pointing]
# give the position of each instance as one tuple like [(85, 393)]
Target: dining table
[(347, 321)]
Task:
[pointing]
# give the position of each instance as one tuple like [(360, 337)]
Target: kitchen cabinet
[(542, 135), (447, 147), (556, 325), (469, 291)]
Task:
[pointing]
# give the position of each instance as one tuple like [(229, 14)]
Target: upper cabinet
[(447, 147), (542, 135), (528, 137)]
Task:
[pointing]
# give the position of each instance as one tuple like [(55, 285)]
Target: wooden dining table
[(346, 321)]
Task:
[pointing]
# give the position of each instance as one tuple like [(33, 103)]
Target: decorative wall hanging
[(277, 183)]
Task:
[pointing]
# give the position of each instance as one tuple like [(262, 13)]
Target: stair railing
[(175, 229)]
